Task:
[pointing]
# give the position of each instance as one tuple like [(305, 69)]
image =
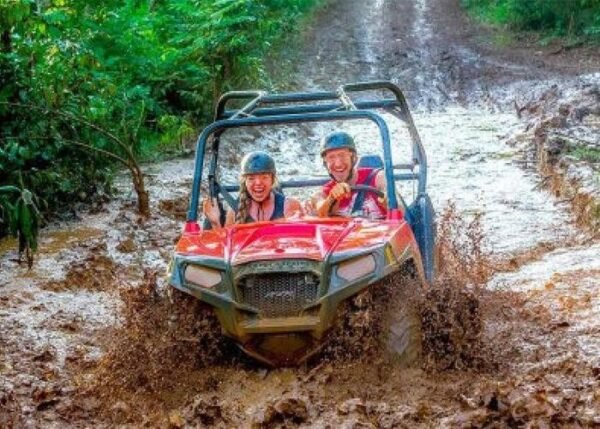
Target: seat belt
[(360, 197)]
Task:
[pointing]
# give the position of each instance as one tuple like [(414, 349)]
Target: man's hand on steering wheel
[(339, 191)]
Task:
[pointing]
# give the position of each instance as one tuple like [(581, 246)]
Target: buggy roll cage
[(262, 108)]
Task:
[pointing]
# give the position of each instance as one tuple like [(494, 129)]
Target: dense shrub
[(560, 17), (83, 84)]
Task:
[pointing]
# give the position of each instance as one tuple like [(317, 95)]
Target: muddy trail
[(90, 338)]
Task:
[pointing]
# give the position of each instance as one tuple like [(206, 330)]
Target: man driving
[(337, 198)]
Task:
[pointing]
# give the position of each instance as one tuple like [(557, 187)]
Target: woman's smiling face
[(259, 186)]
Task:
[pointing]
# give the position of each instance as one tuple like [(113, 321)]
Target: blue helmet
[(337, 140), (258, 162)]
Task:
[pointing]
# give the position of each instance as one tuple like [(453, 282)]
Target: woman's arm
[(229, 217), (292, 207), (211, 211)]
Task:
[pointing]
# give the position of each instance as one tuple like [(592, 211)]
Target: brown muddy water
[(89, 337)]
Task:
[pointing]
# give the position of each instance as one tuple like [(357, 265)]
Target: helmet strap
[(351, 175), (349, 178)]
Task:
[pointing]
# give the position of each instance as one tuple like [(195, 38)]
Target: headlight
[(356, 268), (202, 276)]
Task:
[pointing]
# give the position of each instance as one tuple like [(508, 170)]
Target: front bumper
[(288, 339)]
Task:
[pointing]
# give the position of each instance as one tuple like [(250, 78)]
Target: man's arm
[(325, 205)]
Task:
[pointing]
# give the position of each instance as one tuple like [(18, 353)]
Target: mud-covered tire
[(404, 341), (382, 319)]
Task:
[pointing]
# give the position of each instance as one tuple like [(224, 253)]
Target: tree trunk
[(140, 190), (143, 203), (227, 68), (217, 89)]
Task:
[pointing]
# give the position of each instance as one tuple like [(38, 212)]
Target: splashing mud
[(450, 310), (376, 324), (166, 363), (151, 354)]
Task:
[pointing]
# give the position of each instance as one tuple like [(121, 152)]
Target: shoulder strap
[(279, 209), (360, 197)]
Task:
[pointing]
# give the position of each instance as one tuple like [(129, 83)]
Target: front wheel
[(384, 318), (404, 340)]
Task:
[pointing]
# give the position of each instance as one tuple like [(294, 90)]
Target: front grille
[(279, 294)]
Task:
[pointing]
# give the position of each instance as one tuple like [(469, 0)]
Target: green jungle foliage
[(572, 18), (86, 85), (22, 216)]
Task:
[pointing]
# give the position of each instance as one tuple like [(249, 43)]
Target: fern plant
[(19, 210)]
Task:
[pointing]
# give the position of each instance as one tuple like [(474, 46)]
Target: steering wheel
[(357, 188), (367, 188)]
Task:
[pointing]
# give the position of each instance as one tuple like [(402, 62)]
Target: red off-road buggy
[(276, 286)]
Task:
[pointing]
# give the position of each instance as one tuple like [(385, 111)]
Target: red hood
[(307, 239), (285, 240)]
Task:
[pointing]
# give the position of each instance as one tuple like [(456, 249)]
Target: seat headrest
[(370, 161)]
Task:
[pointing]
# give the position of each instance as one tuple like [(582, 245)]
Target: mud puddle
[(55, 320), (53, 317)]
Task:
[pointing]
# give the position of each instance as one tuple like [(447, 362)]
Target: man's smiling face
[(339, 163)]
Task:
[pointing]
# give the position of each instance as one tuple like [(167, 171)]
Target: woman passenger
[(258, 200)]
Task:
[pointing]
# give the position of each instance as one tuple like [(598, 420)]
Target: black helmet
[(337, 140), (258, 162)]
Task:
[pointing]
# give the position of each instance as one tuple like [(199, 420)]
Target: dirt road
[(537, 363)]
